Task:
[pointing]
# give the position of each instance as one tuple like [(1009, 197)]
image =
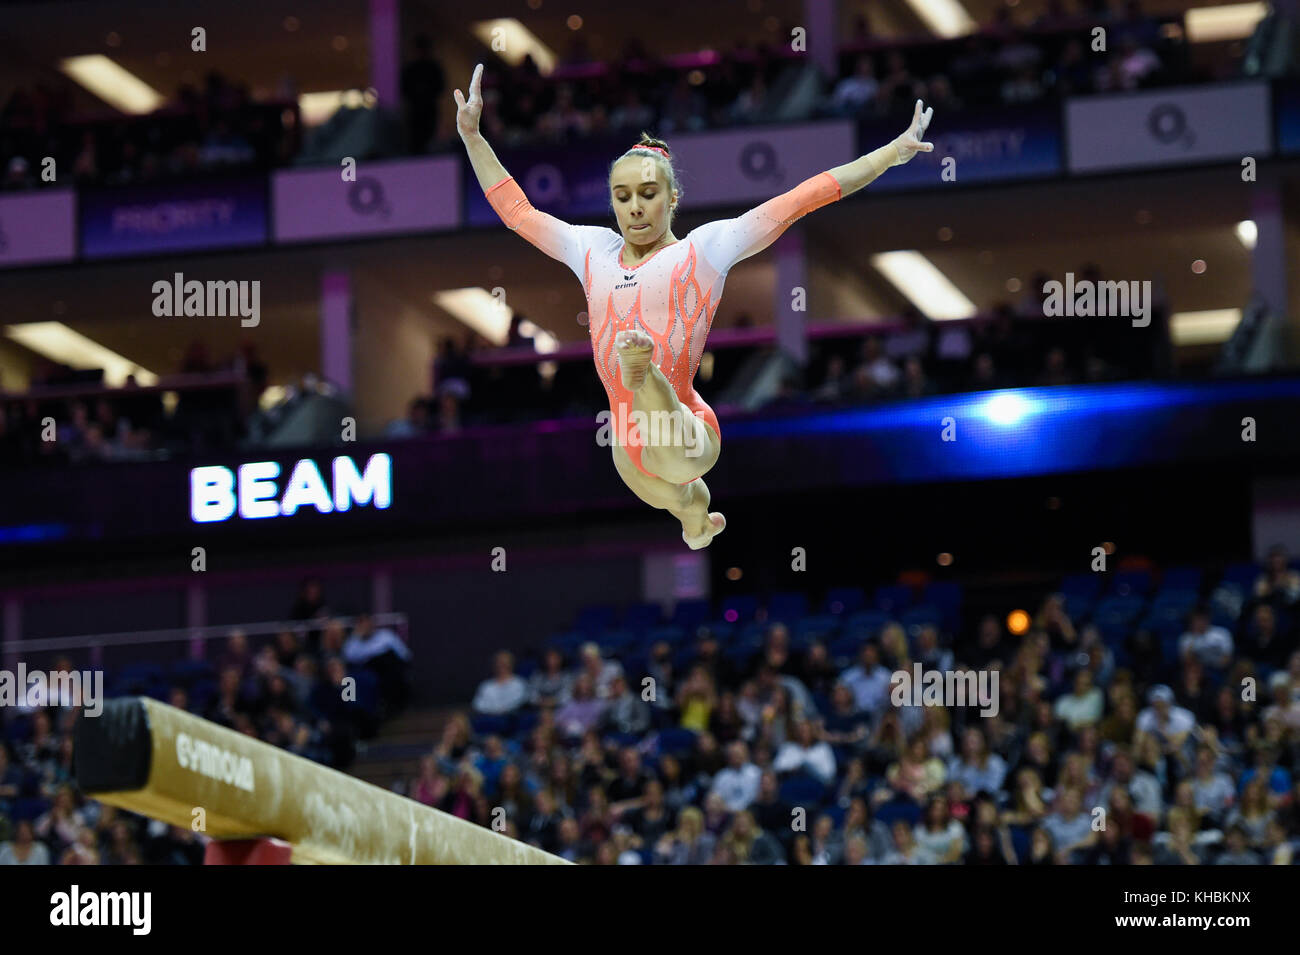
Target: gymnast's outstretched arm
[(724, 242), (559, 239), (486, 165), (866, 169)]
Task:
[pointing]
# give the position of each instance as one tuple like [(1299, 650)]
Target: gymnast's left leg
[(691, 447), (689, 503)]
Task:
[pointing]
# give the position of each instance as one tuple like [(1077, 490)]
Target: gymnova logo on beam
[(217, 492), (208, 759), (946, 688)]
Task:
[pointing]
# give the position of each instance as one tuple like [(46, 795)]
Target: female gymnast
[(651, 297)]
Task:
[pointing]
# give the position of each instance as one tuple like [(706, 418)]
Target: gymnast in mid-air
[(651, 297)]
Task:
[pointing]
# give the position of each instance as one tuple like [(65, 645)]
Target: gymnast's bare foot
[(635, 349), (713, 527)]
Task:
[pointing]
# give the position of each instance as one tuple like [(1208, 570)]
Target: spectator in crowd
[(858, 92), (583, 711), (24, 849), (805, 753), (385, 654), (505, 692), (939, 834), (414, 424), (602, 672), (422, 83), (1170, 725), (689, 843), (696, 699), (1279, 585), (1236, 852), (869, 680), (627, 712), (550, 685), (1210, 644), (977, 769), (906, 850), (1083, 705), (738, 783), (1070, 826), (750, 845), (1263, 642)]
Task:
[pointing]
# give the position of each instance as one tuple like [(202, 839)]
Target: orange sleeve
[(728, 241), (558, 239)]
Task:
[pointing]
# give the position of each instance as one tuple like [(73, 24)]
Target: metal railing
[(197, 637)]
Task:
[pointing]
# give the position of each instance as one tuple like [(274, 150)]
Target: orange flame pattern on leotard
[(677, 351), (676, 295)]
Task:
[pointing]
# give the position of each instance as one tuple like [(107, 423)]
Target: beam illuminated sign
[(217, 493)]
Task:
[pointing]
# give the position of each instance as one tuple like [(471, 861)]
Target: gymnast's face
[(642, 200)]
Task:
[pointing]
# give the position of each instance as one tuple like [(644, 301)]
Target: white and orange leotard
[(671, 296)]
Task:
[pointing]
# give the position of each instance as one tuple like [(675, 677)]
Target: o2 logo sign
[(217, 492)]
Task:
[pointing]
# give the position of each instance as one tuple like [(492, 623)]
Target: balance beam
[(154, 759)]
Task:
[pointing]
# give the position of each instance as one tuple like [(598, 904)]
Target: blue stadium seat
[(821, 626), (642, 616), (525, 722), (568, 643), (1242, 574), (802, 790), (787, 607), (743, 606), (1082, 585), (919, 616), (202, 694), (867, 622), (1117, 609), (1225, 605), (689, 614), (1078, 607), (1182, 578), (1126, 583), (141, 676), (1171, 598), (490, 724), (19, 729), (367, 688), (896, 809), (844, 651), (595, 618), (893, 598), (30, 808), (741, 656), (675, 636), (682, 659), (947, 596), (843, 600), (1022, 842), (614, 641), (677, 740), (188, 672)]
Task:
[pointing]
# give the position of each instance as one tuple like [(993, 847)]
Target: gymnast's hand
[(911, 143), (468, 113)]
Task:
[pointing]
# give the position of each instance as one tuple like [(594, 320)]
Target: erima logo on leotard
[(628, 278)]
